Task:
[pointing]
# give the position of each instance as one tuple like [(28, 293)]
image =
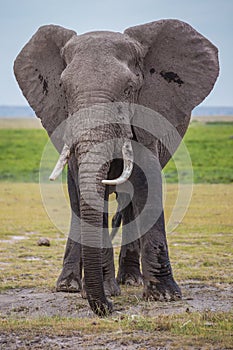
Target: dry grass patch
[(200, 249)]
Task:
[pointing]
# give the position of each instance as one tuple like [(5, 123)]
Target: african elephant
[(88, 83)]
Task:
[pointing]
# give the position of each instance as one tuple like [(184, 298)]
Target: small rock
[(43, 241)]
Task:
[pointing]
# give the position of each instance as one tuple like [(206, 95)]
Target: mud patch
[(197, 297), (33, 303), (138, 340)]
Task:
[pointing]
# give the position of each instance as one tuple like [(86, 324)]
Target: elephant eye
[(152, 71)]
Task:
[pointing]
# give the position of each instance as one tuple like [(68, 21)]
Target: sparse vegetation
[(178, 330)]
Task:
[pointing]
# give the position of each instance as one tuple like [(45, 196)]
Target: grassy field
[(210, 146), (200, 250)]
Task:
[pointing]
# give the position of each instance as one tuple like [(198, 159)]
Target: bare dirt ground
[(33, 303)]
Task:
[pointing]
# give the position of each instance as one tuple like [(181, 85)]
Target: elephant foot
[(111, 287), (133, 278), (68, 284), (162, 289)]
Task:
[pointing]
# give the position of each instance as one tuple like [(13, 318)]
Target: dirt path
[(31, 303)]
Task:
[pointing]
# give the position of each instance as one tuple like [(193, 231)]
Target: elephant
[(97, 95)]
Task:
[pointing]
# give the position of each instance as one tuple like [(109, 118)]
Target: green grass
[(210, 146), (20, 154)]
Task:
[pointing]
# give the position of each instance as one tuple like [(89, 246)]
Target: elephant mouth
[(127, 154)]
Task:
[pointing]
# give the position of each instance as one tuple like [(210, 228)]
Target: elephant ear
[(180, 69), (38, 69)]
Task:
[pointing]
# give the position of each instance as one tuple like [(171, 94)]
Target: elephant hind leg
[(129, 259), (111, 286), (129, 265)]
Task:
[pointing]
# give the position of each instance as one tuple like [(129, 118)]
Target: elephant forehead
[(102, 43)]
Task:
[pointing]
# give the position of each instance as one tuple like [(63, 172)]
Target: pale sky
[(19, 20)]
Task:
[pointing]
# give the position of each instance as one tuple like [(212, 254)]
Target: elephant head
[(165, 65)]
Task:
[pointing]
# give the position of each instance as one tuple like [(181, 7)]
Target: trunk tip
[(101, 309)]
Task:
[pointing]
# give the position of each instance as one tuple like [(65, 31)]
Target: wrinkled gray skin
[(166, 66)]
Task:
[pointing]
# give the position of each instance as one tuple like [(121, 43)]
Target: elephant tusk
[(127, 153), (62, 161)]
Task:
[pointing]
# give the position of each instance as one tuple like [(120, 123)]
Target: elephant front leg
[(70, 279), (159, 283)]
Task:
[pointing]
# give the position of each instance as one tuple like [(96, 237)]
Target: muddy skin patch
[(40, 78), (45, 84), (171, 77), (45, 87)]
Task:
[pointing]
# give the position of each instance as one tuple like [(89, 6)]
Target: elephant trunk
[(97, 136), (93, 168)]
